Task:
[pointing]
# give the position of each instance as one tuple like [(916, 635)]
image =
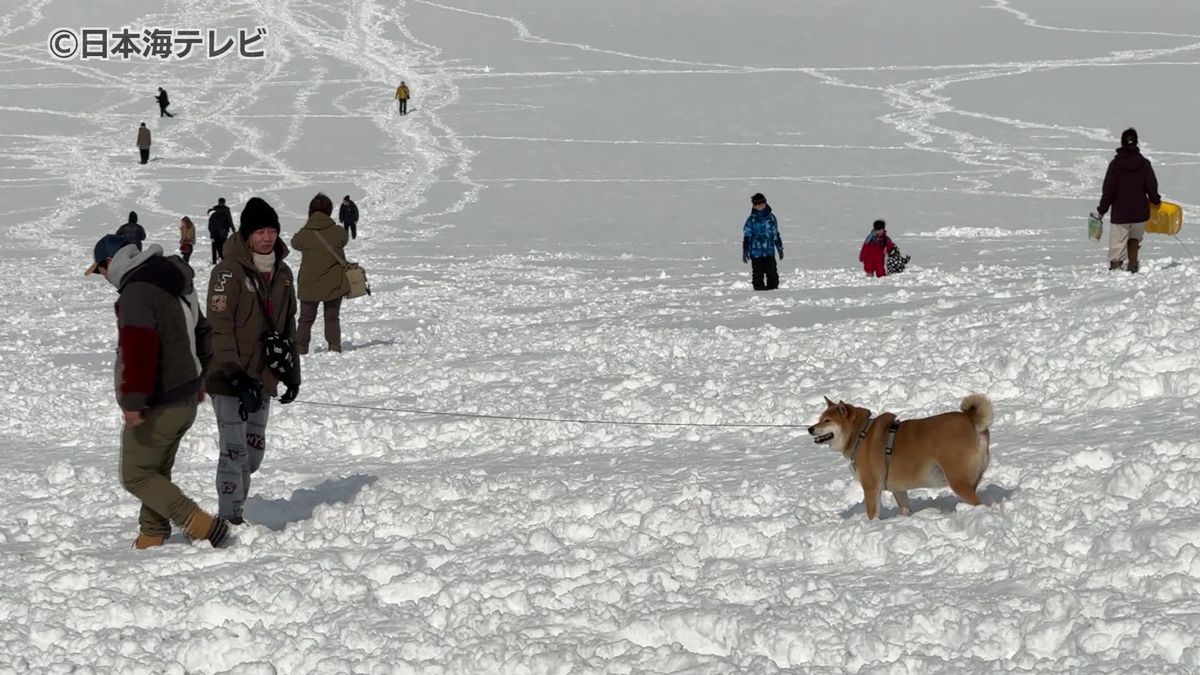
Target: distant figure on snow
[(760, 239), (143, 142), (163, 102), (1130, 186), (348, 216), (187, 239), (875, 250), (220, 226), (402, 95), (131, 232)]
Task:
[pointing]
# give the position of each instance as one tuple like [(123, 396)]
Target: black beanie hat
[(1129, 137), (255, 216), (758, 198), (879, 225)]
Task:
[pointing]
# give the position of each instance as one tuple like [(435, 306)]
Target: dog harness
[(888, 448), (861, 435)]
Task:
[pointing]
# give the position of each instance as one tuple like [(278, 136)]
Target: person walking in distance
[(252, 308), (187, 238), (143, 142), (132, 232), (163, 102), (220, 226), (1130, 187), (760, 242), (164, 348), (402, 95), (348, 216)]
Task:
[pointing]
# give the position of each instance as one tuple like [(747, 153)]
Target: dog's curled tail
[(979, 408)]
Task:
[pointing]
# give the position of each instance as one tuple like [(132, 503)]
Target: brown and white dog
[(950, 449)]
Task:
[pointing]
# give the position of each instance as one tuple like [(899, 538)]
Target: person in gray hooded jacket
[(164, 349)]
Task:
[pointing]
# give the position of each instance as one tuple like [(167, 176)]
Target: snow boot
[(145, 541), (200, 525), (1132, 247), (1114, 265)]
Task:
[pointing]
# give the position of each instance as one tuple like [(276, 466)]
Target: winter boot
[(145, 541), (335, 348), (200, 525), (1132, 247), (1114, 265)]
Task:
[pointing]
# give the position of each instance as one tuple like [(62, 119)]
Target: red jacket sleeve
[(139, 348)]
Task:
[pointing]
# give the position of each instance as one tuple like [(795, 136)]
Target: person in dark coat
[(220, 226), (1130, 187), (348, 216), (163, 102), (143, 142), (131, 232), (760, 243)]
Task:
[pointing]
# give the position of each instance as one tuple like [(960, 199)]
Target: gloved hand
[(249, 393), (1096, 215), (290, 395), (781, 253), (745, 259)]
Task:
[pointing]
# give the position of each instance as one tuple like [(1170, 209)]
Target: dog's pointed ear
[(843, 409), (829, 402)]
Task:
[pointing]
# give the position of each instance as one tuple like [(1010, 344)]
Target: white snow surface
[(554, 231)]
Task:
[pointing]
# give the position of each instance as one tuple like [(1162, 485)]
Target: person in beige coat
[(143, 142), (322, 277), (187, 239)]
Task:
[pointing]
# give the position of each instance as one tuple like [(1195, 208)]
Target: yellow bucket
[(1166, 218)]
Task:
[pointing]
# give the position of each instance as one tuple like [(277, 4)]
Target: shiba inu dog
[(950, 449)]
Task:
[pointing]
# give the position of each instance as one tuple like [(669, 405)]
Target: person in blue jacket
[(760, 241)]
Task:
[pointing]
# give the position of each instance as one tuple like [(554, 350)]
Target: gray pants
[(242, 446), (1118, 235)]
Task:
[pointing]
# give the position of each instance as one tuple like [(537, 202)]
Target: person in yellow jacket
[(402, 96)]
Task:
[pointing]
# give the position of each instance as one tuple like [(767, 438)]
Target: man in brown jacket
[(249, 294), (164, 348), (143, 142), (1130, 187), (322, 245)]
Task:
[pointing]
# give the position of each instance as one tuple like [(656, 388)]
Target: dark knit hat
[(758, 198), (879, 225), (1129, 137), (255, 216)]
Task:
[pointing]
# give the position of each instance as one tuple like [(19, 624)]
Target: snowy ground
[(554, 231)]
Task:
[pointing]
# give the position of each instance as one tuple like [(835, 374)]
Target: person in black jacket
[(220, 226), (348, 216), (163, 102), (1130, 187), (131, 232)]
